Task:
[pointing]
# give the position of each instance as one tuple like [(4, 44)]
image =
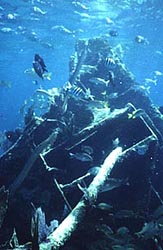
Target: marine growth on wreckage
[(86, 170)]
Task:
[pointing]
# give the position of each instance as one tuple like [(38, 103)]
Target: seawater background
[(33, 32)]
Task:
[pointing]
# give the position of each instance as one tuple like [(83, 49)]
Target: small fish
[(158, 73), (119, 50), (158, 246), (113, 33), (113, 183), (111, 77), (38, 69), (158, 52), (142, 40), (31, 72), (124, 214), (136, 113), (118, 247), (78, 4), (149, 230), (113, 96), (116, 142), (145, 89), (151, 81), (142, 149), (40, 60), (84, 157), (39, 66), (78, 92), (61, 28), (39, 229), (96, 104), (104, 206), (86, 68), (158, 212), (39, 11), (93, 171), (6, 30), (110, 63), (4, 83), (47, 75), (99, 81), (35, 82), (104, 229), (88, 94), (109, 20), (87, 149), (11, 16), (123, 231)]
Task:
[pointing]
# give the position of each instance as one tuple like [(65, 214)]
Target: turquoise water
[(51, 28)]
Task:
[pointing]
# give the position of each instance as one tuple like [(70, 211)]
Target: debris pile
[(88, 166)]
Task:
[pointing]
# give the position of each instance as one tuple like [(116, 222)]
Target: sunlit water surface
[(51, 28)]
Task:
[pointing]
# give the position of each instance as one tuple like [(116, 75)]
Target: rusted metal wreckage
[(101, 108)]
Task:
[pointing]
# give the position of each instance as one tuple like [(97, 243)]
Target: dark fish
[(41, 62), (38, 69)]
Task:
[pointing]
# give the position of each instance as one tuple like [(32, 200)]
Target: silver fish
[(149, 230), (151, 81), (87, 149), (104, 206), (141, 39), (39, 11), (113, 183), (93, 171), (84, 157), (124, 214), (99, 81)]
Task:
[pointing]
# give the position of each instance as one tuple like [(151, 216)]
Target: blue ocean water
[(51, 28)]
